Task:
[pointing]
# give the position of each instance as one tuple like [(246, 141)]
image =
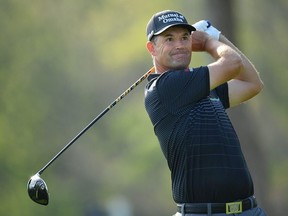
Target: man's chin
[(180, 64), (180, 67)]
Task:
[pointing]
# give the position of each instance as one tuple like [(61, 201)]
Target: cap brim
[(187, 26)]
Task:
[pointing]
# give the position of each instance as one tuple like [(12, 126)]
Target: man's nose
[(179, 43)]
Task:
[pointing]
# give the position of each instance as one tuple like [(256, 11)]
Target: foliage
[(62, 62)]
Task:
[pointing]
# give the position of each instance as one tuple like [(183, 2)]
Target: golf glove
[(205, 26)]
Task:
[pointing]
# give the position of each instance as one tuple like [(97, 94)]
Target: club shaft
[(96, 119)]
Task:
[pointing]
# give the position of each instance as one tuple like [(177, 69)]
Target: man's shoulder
[(180, 78)]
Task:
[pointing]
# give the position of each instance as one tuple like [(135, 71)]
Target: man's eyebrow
[(186, 33), (168, 34)]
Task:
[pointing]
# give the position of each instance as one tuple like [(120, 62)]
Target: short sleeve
[(222, 93), (179, 90)]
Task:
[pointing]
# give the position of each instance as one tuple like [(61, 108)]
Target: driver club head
[(38, 190)]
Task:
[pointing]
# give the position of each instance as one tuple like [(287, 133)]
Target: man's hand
[(199, 39), (201, 25), (205, 26)]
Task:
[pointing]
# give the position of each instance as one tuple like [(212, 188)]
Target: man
[(187, 108)]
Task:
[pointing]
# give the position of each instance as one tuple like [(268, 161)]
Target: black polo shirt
[(197, 138)]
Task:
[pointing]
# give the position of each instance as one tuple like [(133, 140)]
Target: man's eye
[(169, 39)]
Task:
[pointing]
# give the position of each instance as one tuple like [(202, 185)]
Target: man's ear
[(150, 47)]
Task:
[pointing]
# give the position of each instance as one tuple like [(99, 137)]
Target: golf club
[(37, 188)]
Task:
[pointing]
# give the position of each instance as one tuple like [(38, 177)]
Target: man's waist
[(228, 208)]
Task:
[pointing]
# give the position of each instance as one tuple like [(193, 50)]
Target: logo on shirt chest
[(214, 99)]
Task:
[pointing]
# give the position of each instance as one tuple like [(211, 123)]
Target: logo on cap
[(172, 17), (165, 19)]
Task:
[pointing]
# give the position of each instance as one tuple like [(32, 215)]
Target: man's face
[(172, 49)]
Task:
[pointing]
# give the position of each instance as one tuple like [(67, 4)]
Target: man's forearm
[(227, 65)]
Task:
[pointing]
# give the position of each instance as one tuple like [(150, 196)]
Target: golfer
[(187, 109)]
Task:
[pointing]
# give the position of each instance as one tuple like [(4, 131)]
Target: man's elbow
[(258, 86), (255, 88)]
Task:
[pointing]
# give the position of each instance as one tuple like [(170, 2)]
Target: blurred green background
[(62, 62)]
